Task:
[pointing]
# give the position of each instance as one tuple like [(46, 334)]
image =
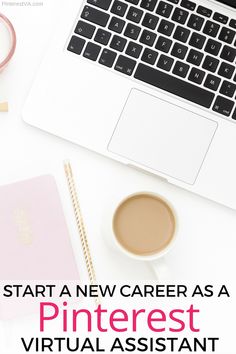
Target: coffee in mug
[(144, 224)]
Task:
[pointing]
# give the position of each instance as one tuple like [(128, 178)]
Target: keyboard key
[(228, 88), (119, 8), (232, 23), (195, 57), (227, 35), (174, 85), (166, 27), (234, 115), (118, 43), (103, 4), (195, 22), (181, 34), (134, 2), (196, 76), (228, 53), (85, 29), (212, 82), (163, 44), (150, 21), (188, 5), (164, 9), (220, 18), (102, 36), (179, 51), (148, 37), (134, 49), (223, 106), (197, 40), (174, 1), (125, 65), (132, 31), (210, 64), (226, 70), (181, 69), (211, 28), (95, 16), (180, 15), (134, 14), (107, 58), (116, 24), (91, 51), (76, 45), (148, 4), (165, 62), (212, 47), (204, 11), (149, 56)]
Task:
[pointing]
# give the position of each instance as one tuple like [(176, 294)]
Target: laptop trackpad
[(162, 136)]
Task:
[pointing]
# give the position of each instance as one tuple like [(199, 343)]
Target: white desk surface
[(207, 240)]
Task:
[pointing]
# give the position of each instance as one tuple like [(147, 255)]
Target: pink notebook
[(34, 239)]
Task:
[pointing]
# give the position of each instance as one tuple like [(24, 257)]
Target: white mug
[(155, 260)]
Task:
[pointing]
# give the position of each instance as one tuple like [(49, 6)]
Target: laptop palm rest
[(163, 137)]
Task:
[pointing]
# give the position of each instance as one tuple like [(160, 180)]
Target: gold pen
[(80, 226)]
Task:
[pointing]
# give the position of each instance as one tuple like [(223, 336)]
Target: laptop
[(149, 83)]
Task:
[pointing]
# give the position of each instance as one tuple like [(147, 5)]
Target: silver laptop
[(150, 83)]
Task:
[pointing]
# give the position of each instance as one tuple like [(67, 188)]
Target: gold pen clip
[(3, 106)]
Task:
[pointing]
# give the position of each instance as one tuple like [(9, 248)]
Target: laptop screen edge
[(231, 3)]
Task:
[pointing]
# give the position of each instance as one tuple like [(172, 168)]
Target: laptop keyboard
[(175, 45)]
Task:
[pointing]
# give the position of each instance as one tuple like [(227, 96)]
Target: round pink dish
[(6, 22)]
